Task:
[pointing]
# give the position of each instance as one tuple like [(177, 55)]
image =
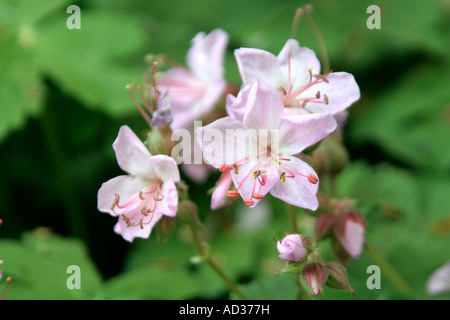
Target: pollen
[(232, 194), (249, 202), (325, 99), (312, 178), (257, 196)]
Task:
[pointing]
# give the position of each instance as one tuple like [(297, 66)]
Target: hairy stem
[(213, 264)]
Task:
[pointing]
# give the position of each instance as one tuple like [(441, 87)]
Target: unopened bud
[(330, 156), (159, 141), (164, 228), (315, 274), (291, 247), (338, 277), (324, 225), (187, 213), (350, 230)]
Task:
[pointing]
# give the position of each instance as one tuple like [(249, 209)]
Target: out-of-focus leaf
[(38, 265), (411, 120)]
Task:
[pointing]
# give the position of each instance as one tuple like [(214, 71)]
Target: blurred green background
[(63, 99)]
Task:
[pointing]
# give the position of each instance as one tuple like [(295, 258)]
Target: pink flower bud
[(291, 247), (315, 275), (350, 230)]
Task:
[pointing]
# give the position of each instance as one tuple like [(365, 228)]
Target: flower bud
[(350, 230), (291, 248), (159, 141), (324, 225), (330, 156), (187, 213), (338, 277), (315, 275)]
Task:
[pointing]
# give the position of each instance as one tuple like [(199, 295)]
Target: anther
[(283, 177), (249, 202), (223, 168), (125, 218), (282, 90), (232, 194), (236, 169), (157, 198), (312, 178), (116, 201), (325, 99), (257, 196), (256, 173), (141, 196), (318, 95), (141, 224)]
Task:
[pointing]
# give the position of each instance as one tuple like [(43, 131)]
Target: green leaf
[(38, 265)]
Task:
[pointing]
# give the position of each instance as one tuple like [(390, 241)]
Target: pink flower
[(259, 149), (141, 198), (193, 92), (350, 230), (291, 248), (220, 192), (294, 75)]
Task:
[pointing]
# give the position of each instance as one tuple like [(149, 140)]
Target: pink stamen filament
[(146, 208)]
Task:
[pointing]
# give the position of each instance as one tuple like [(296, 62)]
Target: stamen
[(282, 90), (312, 178), (249, 202), (224, 168), (116, 201), (257, 196), (232, 194)]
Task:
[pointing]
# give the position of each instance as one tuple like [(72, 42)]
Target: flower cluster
[(284, 106)]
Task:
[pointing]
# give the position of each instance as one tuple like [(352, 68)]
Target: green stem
[(292, 214), (213, 264), (388, 270), (319, 38)]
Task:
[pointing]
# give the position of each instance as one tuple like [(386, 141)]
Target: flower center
[(139, 209), (291, 96), (267, 163)]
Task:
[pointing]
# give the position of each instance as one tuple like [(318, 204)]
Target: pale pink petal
[(219, 193), (224, 141), (246, 184), (264, 108), (297, 191), (295, 61), (354, 238), (169, 204), (341, 89), (205, 57), (236, 106), (163, 168), (132, 155), (129, 233), (299, 132), (291, 248), (257, 64), (196, 172), (127, 187)]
